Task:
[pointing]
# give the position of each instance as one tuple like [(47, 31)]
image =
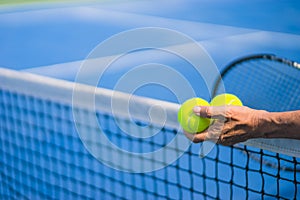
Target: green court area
[(14, 2), (25, 2)]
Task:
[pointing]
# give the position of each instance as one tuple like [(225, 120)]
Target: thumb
[(215, 112)]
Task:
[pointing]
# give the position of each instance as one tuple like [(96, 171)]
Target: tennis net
[(43, 155)]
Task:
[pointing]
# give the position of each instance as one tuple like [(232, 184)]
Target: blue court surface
[(43, 35), (53, 40)]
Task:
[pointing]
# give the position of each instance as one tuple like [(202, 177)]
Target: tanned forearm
[(234, 124), (281, 124)]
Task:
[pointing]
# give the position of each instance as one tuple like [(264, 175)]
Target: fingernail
[(197, 110)]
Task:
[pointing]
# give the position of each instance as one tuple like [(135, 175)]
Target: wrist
[(273, 125), (263, 123)]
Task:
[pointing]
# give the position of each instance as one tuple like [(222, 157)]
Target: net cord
[(62, 91)]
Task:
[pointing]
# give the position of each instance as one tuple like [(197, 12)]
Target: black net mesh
[(42, 156)]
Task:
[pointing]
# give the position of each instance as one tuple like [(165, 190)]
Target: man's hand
[(231, 125)]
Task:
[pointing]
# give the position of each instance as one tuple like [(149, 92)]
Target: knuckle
[(209, 112)]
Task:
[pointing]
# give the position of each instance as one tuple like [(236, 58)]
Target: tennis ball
[(226, 99), (189, 121)]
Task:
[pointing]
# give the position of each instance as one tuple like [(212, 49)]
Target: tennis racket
[(267, 82)]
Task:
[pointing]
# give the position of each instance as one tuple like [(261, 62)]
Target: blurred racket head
[(267, 82)]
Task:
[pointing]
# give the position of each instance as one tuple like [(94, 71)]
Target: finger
[(215, 112), (201, 111), (196, 138), (215, 131), (212, 133), (228, 127), (229, 140), (235, 136)]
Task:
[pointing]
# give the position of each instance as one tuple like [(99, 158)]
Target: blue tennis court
[(61, 140)]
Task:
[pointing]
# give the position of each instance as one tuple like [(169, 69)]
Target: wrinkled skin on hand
[(231, 124)]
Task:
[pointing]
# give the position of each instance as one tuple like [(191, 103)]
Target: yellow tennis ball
[(226, 99), (189, 121)]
